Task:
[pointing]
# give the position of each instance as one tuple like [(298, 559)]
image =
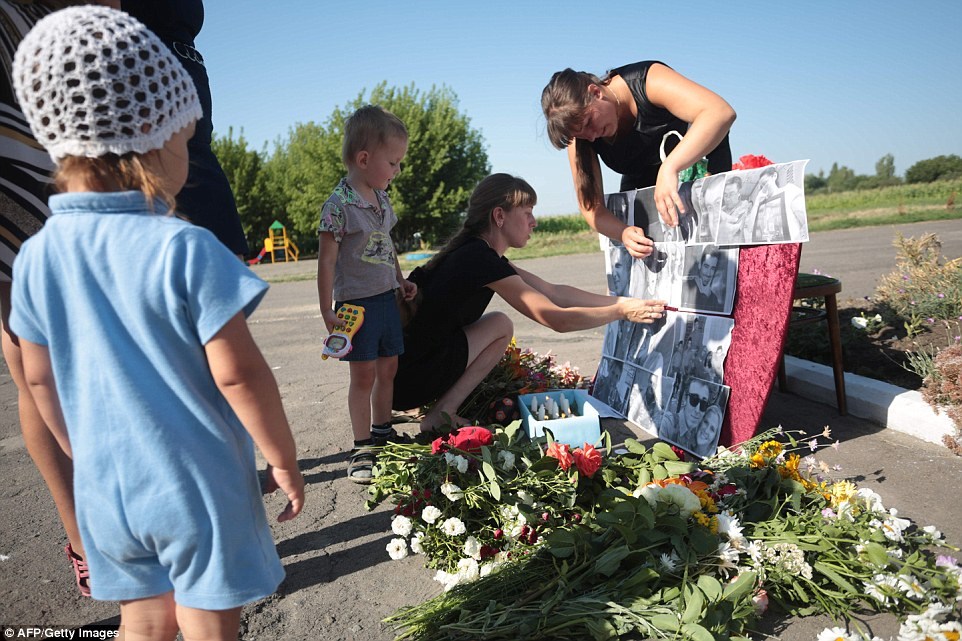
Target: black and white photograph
[(693, 418), (618, 268), (709, 282), (621, 204), (608, 387), (748, 206), (779, 205), (624, 339), (649, 394), (651, 277)]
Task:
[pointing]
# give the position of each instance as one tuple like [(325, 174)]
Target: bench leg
[(835, 338)]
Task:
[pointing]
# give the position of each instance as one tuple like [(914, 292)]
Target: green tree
[(815, 183), (840, 178), (885, 167), (445, 159), (932, 169), (256, 201)]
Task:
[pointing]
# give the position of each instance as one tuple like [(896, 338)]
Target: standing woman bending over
[(450, 343), (622, 119)]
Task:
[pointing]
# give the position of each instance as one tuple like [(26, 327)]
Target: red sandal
[(80, 570)]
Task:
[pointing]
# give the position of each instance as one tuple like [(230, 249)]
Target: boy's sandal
[(360, 467), (80, 570), (391, 437)]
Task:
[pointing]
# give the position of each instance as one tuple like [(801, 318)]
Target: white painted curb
[(887, 405)]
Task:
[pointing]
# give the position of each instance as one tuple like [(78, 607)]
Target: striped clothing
[(25, 167)]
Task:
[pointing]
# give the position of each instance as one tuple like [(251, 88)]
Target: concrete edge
[(887, 405)]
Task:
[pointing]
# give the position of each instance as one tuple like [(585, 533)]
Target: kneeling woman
[(450, 343)]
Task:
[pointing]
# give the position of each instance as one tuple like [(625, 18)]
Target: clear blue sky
[(832, 81)]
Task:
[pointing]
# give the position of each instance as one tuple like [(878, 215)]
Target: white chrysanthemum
[(486, 569), (836, 634), (472, 548), (730, 527), (446, 579), (912, 587), (668, 563), (506, 459), (509, 512), (513, 528), (525, 497), (452, 492), (430, 514), (728, 555), (401, 525), (456, 460), (397, 548), (416, 546), (755, 551), (468, 570), (453, 527)]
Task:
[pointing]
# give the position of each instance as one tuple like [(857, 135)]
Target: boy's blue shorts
[(380, 334)]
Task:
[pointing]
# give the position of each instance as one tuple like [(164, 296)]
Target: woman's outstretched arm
[(566, 309)]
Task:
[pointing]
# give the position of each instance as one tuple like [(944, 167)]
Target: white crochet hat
[(93, 80)]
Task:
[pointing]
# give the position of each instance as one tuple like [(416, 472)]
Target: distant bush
[(934, 193), (932, 169), (571, 224)]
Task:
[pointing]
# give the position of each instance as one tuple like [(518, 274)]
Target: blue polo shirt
[(165, 481)]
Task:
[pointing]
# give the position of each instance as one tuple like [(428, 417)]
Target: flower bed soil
[(879, 352)]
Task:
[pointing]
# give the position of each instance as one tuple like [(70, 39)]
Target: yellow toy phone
[(338, 344)]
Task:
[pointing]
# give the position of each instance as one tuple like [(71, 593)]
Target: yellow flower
[(841, 491), (770, 449), (757, 460), (702, 519), (790, 468)]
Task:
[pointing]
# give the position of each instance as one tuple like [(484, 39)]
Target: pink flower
[(467, 439), (587, 460), (749, 161), (562, 452)]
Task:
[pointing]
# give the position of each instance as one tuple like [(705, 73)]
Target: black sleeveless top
[(637, 154)]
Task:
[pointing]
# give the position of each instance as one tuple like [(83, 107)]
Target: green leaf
[(608, 561), (876, 554), (667, 622), (696, 632), (600, 629), (495, 490), (486, 454), (739, 587), (703, 541), (488, 470), (835, 577), (694, 604), (677, 468), (711, 586), (622, 513), (663, 452), (635, 447), (561, 543), (660, 472)]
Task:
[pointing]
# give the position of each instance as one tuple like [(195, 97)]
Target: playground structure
[(277, 244)]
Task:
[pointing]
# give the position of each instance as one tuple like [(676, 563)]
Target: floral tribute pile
[(536, 540), (520, 371)]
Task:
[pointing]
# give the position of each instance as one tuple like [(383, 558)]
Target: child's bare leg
[(54, 465), (383, 392), (363, 374), (208, 625), (150, 619), (487, 339)]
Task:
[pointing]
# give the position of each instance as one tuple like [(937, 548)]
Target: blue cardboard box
[(576, 430)]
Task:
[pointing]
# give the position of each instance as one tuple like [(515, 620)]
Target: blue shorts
[(380, 334)]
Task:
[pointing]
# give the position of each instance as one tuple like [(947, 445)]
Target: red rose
[(587, 460), (749, 161), (467, 439), (562, 452)]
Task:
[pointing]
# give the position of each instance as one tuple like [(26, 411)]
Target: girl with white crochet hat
[(134, 338)]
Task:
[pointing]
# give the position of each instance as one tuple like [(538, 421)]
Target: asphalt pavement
[(340, 581)]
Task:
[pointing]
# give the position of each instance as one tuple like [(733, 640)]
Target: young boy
[(357, 264)]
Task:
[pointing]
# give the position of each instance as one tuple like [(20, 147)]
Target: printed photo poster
[(646, 371), (743, 207)]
